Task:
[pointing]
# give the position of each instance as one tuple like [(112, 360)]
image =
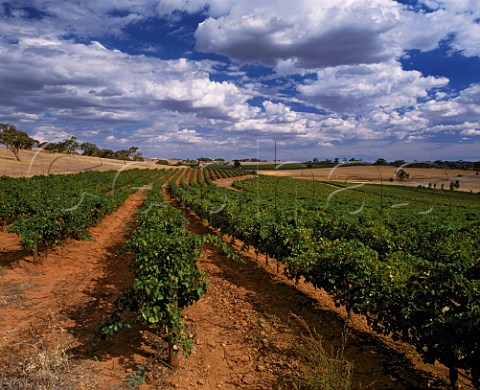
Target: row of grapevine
[(200, 177), (166, 275), (167, 278), (414, 278), (218, 173), (57, 207), (213, 174), (25, 196), (204, 176)]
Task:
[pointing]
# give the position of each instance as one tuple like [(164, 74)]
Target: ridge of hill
[(40, 162)]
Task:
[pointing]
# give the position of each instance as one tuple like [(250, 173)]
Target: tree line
[(16, 140)]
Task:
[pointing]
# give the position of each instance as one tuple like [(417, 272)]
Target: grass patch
[(137, 378), (19, 291), (12, 294), (318, 369), (37, 366)]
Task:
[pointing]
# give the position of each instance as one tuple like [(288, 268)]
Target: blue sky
[(222, 78)]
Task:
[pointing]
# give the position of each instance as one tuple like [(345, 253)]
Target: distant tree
[(50, 146), (131, 154), (15, 140), (380, 161), (59, 147), (237, 164), (336, 160), (133, 150), (454, 185), (398, 163), (134, 154), (106, 153), (67, 146), (122, 154), (70, 146), (402, 175), (162, 162), (89, 149)]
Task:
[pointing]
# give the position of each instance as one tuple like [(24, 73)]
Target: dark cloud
[(344, 46)]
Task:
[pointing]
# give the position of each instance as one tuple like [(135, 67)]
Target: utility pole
[(275, 154)]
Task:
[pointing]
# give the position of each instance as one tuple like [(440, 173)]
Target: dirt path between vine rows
[(49, 310), (248, 331)]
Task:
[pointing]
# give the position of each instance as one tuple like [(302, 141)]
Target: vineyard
[(167, 278), (46, 210), (408, 259)]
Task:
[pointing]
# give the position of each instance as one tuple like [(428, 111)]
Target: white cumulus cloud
[(362, 88)]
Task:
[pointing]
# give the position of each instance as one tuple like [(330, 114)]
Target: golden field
[(469, 179), (38, 162)]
